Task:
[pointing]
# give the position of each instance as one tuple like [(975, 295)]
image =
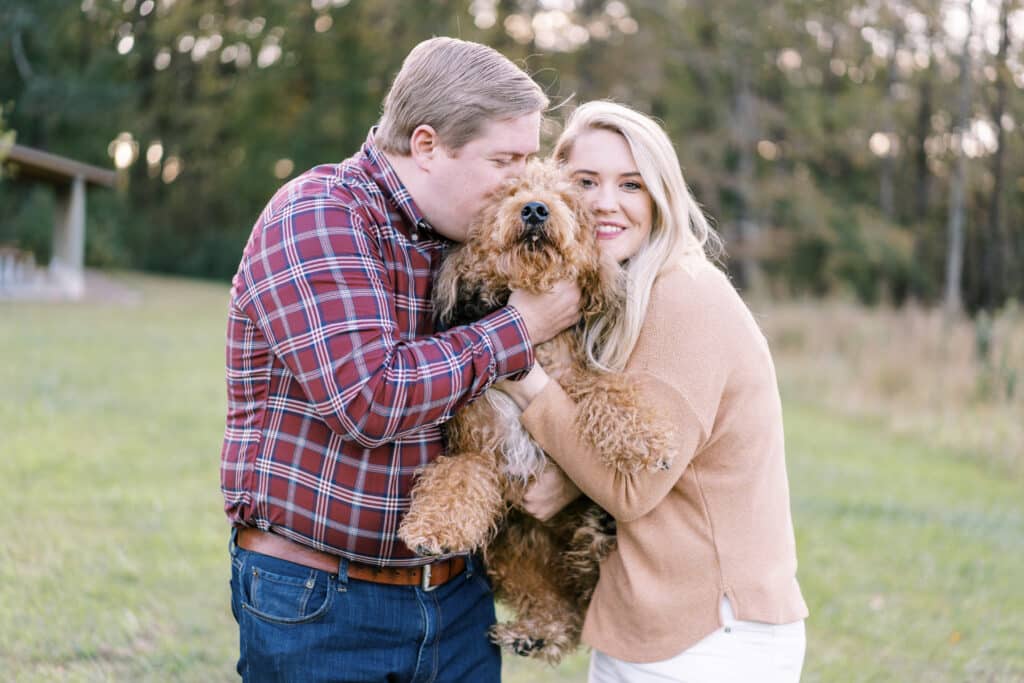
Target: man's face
[(462, 180)]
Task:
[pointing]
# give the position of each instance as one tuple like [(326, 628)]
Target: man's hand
[(551, 492), (549, 313)]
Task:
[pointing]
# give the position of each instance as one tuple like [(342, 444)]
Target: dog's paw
[(512, 638), (432, 539), (645, 446), (425, 546), (420, 539), (636, 457), (524, 647), (428, 549), (516, 638)]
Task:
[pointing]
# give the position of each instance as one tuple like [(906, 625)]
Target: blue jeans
[(306, 625)]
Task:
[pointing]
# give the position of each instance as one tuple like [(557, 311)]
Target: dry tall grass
[(957, 383)]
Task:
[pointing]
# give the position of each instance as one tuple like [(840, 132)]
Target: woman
[(702, 586)]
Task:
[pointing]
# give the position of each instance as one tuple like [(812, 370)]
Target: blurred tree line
[(861, 146)]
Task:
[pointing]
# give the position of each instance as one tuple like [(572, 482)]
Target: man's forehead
[(520, 135)]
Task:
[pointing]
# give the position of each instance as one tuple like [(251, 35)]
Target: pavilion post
[(68, 263)]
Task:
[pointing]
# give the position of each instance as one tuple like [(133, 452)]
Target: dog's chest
[(522, 458)]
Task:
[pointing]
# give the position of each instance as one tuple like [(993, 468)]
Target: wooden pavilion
[(70, 178)]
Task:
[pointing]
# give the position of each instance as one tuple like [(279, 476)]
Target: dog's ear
[(603, 291), (474, 303), (613, 284), (446, 288), (459, 297), (573, 196)]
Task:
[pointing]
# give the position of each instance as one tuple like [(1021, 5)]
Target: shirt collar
[(383, 173)]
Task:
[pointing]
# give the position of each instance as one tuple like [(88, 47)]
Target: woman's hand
[(549, 493), (526, 389)]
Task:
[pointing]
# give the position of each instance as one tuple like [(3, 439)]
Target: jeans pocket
[(287, 598)]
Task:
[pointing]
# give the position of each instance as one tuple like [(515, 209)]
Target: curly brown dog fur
[(533, 234)]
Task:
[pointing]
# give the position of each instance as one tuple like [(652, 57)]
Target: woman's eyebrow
[(621, 175)]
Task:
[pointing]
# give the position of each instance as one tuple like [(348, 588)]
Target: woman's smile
[(607, 230)]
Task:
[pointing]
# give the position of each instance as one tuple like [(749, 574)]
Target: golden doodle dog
[(534, 233)]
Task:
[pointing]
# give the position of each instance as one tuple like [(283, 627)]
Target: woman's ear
[(424, 146)]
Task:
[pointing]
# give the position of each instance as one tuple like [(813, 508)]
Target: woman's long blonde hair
[(679, 227)]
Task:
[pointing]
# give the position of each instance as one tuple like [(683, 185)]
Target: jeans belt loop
[(342, 576)]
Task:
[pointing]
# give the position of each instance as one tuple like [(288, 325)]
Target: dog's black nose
[(535, 214)]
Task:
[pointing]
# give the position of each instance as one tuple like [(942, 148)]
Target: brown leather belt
[(426, 577)]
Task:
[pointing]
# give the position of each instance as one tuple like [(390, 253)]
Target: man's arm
[(314, 284)]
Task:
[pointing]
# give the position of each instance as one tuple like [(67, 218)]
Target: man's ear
[(424, 146)]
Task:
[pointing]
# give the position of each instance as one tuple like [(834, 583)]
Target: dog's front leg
[(612, 416), (456, 505)]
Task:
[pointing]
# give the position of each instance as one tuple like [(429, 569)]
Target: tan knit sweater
[(718, 522)]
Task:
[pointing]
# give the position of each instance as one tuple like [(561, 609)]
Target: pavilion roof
[(36, 163)]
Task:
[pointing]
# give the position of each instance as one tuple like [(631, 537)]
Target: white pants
[(739, 652)]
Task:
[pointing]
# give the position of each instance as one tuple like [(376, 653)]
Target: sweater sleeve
[(680, 364)]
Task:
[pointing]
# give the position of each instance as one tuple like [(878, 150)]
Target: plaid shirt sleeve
[(315, 285)]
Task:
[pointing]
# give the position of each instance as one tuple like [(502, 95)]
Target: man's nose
[(535, 214)]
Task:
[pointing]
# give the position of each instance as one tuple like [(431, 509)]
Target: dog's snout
[(535, 214)]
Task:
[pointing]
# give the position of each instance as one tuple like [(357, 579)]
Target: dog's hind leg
[(592, 538), (521, 562)]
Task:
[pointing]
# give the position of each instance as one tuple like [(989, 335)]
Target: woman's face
[(603, 165)]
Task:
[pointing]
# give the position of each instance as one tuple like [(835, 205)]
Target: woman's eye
[(632, 187), (586, 182), (501, 163)]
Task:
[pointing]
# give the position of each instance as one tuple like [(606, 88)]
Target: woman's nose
[(603, 201)]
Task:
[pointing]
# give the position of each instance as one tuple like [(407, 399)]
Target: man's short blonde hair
[(455, 87)]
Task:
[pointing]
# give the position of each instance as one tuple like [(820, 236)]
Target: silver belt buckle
[(425, 580)]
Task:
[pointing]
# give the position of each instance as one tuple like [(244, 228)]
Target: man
[(338, 383)]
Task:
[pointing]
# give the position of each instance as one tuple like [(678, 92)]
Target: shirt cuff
[(505, 332)]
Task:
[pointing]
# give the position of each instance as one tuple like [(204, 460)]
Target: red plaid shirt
[(337, 383)]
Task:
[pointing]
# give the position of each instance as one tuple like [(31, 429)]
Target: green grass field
[(113, 563)]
